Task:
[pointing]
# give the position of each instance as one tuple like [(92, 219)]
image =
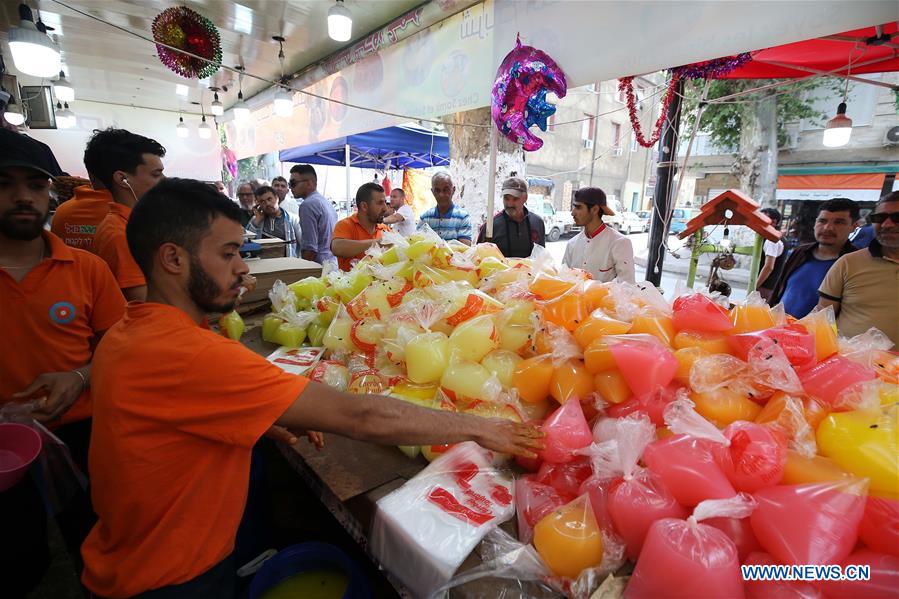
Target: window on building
[(587, 128), (616, 138)]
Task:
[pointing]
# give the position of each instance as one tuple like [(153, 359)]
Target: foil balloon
[(523, 81)]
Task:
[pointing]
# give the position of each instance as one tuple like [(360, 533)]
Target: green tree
[(752, 127)]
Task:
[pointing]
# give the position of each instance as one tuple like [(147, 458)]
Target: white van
[(556, 223)]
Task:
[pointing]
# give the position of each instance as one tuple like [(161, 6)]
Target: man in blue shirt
[(807, 266), (317, 215), (448, 220)]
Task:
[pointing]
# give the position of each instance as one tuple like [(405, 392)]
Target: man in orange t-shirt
[(128, 165), (173, 431), (360, 231), (76, 220), (55, 303)]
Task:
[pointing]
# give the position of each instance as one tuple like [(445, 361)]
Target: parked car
[(556, 223), (679, 219), (635, 222)]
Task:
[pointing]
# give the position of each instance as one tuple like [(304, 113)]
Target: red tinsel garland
[(626, 84)]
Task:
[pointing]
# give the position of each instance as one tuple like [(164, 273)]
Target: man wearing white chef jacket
[(600, 250)]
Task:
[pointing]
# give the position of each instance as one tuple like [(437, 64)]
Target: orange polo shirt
[(76, 220), (177, 411), (50, 318), (111, 244), (350, 228)]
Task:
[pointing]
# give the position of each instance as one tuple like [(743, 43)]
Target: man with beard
[(127, 165), (361, 230), (600, 250), (863, 286), (173, 431), (270, 220), (290, 204), (515, 229), (805, 269), (56, 301)]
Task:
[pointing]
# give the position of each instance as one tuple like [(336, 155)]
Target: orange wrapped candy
[(713, 343), (598, 357), (685, 358), (658, 325), (748, 318), (568, 310), (724, 406), (612, 387)]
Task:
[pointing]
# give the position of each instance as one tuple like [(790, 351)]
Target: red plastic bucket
[(19, 446)]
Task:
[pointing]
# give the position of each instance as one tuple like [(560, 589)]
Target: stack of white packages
[(425, 529)]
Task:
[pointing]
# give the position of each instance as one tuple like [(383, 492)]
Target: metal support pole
[(491, 186), (658, 232), (694, 258), (346, 168), (755, 262)]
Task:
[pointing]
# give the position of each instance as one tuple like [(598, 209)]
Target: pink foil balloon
[(519, 94)]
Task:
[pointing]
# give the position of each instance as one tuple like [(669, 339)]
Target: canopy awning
[(829, 54), (404, 146)]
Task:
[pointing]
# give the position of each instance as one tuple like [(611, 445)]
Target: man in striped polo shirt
[(448, 220)]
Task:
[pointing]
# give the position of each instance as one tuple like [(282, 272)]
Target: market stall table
[(349, 477)]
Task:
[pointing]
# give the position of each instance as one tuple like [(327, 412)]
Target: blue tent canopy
[(403, 146)]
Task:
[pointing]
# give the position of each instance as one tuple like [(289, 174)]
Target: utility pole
[(662, 200), (597, 87)]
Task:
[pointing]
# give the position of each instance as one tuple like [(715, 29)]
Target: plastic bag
[(809, 524), (54, 472), (568, 310), (879, 528), (566, 431), (425, 529), (597, 325), (685, 558), (280, 296), (686, 462), (883, 583), (566, 478), (754, 314), (791, 422), (771, 370), (864, 443), (863, 348), (754, 457), (652, 404), (823, 326), (796, 342), (569, 539), (331, 373), (645, 363), (831, 377), (533, 501), (714, 372), (697, 312)]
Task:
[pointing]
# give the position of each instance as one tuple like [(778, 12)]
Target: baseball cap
[(17, 149), (514, 186), (593, 196)]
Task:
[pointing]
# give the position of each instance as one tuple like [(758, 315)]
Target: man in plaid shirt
[(446, 219)]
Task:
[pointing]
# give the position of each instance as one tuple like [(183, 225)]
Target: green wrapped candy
[(231, 325), (290, 335), (270, 324)]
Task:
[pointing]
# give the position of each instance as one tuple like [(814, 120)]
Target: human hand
[(506, 436), (57, 391), (284, 435)]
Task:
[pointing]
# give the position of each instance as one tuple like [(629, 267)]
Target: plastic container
[(307, 557), (19, 446)]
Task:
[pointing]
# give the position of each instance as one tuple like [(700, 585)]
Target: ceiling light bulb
[(33, 52), (838, 130), (63, 89), (13, 114), (181, 129), (204, 130), (216, 108), (283, 103), (340, 22), (241, 109)]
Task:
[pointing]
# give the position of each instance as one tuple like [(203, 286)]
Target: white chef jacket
[(608, 255)]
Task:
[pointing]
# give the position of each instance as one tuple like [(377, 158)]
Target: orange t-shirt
[(350, 228), (177, 410), (111, 244), (76, 220), (49, 319)]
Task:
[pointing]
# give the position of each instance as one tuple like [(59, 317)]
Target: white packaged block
[(425, 529)]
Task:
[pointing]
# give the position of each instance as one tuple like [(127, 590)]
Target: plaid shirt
[(455, 224)]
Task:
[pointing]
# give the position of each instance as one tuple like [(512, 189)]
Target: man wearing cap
[(600, 250), (515, 229), (56, 301)]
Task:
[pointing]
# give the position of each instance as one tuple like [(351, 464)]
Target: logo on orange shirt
[(62, 312)]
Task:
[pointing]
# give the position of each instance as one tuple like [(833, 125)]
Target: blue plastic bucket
[(303, 558)]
